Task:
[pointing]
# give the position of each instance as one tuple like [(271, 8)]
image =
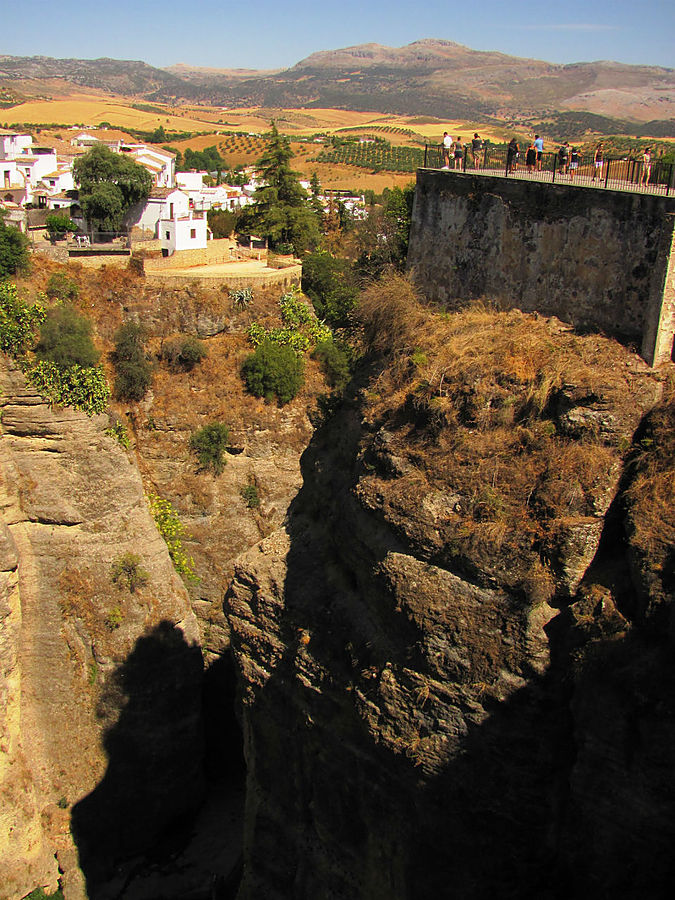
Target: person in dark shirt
[(512, 153), (476, 151), (564, 158)]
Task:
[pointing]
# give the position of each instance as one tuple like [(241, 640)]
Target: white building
[(183, 233), (160, 163), (12, 144), (190, 181), (163, 203)]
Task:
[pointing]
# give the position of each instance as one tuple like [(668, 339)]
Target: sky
[(268, 34)]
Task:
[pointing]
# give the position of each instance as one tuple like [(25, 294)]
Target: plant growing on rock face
[(127, 571), (61, 287), (172, 530), (134, 372), (273, 370), (250, 496), (209, 444), (19, 321), (65, 339), (118, 431), (183, 354), (241, 298), (114, 618)]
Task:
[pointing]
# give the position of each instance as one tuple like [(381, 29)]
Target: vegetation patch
[(172, 530), (209, 444), (274, 370), (128, 572), (184, 353), (134, 371)]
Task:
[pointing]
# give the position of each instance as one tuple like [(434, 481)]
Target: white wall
[(188, 233)]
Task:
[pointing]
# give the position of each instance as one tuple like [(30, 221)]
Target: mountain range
[(427, 77)]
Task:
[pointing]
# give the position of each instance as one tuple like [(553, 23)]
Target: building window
[(168, 235), (193, 233)]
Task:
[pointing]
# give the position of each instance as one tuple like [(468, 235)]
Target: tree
[(110, 184), (328, 282), (13, 250), (209, 443), (134, 372), (280, 211)]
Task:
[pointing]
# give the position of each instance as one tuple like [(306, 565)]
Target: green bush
[(61, 287), (14, 254), (59, 224), (118, 431), (18, 321), (209, 443), (134, 372), (127, 571), (65, 339), (250, 496), (334, 363), (39, 894), (273, 370), (183, 354)]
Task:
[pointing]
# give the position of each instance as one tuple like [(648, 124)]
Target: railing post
[(466, 153), (425, 155), (669, 183), (609, 162), (555, 162)]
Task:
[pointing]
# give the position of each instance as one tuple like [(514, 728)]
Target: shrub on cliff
[(274, 370), (184, 353), (209, 444), (65, 339), (13, 250), (61, 287), (334, 363), (134, 372), (19, 320)]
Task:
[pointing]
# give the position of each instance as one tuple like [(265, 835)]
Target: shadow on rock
[(154, 779)]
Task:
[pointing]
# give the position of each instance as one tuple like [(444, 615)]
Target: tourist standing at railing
[(447, 147), (564, 158), (476, 150), (539, 147), (531, 158), (512, 152), (459, 152), (598, 161), (646, 166), (574, 162)]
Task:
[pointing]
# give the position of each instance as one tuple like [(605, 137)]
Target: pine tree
[(280, 211)]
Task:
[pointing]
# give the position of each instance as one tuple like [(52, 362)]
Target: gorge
[(449, 621)]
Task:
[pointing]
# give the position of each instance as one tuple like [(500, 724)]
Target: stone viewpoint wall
[(599, 259)]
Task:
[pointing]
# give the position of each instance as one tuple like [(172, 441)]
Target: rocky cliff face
[(101, 685), (455, 661)]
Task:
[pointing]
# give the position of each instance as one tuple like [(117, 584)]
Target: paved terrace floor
[(580, 179)]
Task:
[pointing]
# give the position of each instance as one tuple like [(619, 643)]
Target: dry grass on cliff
[(651, 495), (521, 420)]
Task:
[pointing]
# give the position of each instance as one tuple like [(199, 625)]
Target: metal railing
[(656, 177)]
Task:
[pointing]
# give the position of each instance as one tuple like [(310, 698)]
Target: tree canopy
[(110, 184), (281, 211)]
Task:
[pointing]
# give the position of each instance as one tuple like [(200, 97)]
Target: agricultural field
[(86, 109)]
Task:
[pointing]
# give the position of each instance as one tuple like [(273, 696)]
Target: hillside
[(428, 77)]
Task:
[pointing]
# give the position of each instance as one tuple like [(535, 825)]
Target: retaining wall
[(599, 259)]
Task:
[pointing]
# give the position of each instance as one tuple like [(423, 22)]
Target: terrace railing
[(618, 174)]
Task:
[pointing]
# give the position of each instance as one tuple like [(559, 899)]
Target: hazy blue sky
[(267, 34)]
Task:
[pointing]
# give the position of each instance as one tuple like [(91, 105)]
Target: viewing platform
[(626, 174)]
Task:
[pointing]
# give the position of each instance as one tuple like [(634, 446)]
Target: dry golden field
[(90, 108)]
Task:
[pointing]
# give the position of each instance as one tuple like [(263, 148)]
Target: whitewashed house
[(190, 181), (163, 203), (183, 233), (160, 163)]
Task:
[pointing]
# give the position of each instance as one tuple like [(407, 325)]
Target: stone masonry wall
[(598, 259)]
